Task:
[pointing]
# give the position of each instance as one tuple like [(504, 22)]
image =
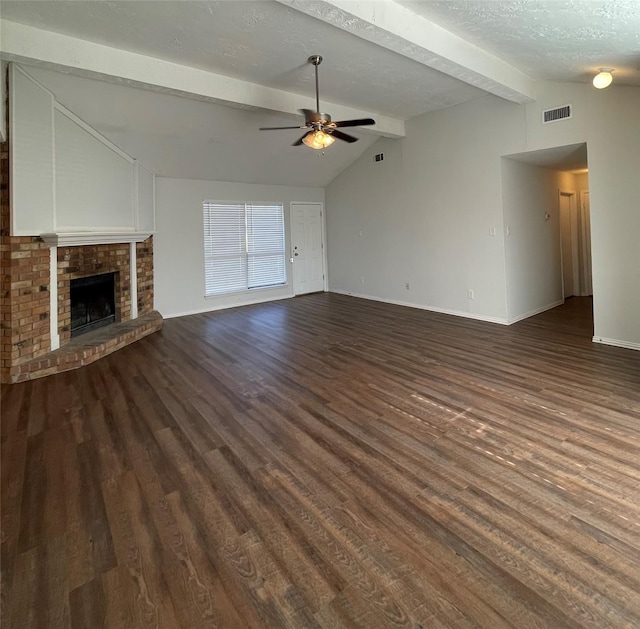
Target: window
[(243, 246)]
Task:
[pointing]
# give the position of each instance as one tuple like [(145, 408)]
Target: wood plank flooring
[(329, 462)]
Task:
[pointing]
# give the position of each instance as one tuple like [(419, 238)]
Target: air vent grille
[(556, 114)]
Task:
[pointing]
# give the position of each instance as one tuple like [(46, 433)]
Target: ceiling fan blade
[(278, 128), (341, 136), (360, 122), (298, 142)]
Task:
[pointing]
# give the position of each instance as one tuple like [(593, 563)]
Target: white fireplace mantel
[(68, 239)]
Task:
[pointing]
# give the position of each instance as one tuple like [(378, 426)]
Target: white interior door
[(307, 248), (568, 239)]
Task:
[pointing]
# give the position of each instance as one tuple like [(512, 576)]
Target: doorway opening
[(547, 230)]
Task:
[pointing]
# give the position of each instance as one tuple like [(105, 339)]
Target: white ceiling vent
[(556, 114)]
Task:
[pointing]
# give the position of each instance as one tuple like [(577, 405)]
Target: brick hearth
[(88, 348)]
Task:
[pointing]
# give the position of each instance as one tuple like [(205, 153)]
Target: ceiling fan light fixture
[(603, 78), (318, 140)]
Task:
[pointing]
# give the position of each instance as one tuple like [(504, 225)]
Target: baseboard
[(214, 308), (532, 313), (407, 304), (616, 343)]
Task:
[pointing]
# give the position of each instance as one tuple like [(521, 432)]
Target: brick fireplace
[(34, 341)]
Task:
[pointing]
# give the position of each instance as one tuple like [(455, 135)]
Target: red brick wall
[(24, 287), (144, 258), (5, 262)]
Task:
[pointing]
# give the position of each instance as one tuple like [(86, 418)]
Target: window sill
[(248, 291)]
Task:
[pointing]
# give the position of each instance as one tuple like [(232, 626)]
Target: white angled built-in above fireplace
[(69, 184)]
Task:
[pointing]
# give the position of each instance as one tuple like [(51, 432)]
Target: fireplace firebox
[(92, 303)]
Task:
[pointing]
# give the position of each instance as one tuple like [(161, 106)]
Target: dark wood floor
[(329, 462)]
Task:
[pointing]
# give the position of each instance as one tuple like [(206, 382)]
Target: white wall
[(31, 153), (532, 241), (425, 215), (609, 120), (178, 248), (427, 212), (365, 254), (3, 104), (146, 198)]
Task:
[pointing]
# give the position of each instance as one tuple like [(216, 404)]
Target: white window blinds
[(244, 246)]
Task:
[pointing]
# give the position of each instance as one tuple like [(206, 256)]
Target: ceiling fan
[(322, 131)]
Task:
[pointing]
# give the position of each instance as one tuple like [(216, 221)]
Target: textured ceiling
[(562, 40), (260, 42), (382, 64)]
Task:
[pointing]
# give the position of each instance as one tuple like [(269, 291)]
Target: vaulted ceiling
[(184, 86)]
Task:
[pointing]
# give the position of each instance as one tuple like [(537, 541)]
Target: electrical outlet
[(407, 285), (492, 231), (470, 294)]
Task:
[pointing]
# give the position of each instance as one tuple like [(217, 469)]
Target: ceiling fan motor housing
[(317, 117)]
